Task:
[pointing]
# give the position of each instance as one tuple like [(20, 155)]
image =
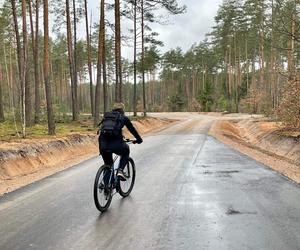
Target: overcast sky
[(191, 27), (184, 30)]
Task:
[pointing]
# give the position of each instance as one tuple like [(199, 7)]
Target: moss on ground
[(8, 130), (64, 127)]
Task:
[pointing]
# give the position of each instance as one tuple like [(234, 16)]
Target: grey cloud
[(191, 27), (184, 30)]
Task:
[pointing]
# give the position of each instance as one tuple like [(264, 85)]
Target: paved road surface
[(192, 192)]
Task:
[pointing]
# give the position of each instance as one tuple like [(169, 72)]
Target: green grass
[(64, 126), (8, 131)]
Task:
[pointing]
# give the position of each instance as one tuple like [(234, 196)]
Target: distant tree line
[(44, 78), (247, 63)]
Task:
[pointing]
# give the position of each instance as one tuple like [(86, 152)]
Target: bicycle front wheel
[(125, 187), (102, 189)]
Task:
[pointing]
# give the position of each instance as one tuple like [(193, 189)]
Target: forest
[(248, 61)]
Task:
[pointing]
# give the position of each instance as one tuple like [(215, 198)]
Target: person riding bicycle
[(111, 137)]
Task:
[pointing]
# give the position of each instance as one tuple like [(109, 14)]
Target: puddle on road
[(224, 173), (232, 211), (203, 166), (206, 166)]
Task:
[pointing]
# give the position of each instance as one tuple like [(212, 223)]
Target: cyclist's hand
[(138, 141)]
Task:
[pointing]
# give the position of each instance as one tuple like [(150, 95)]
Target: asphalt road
[(191, 192)]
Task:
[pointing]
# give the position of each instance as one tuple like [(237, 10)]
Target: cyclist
[(111, 137)]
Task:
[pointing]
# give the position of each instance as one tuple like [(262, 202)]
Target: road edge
[(290, 170)]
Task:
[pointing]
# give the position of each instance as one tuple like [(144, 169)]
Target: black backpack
[(112, 124)]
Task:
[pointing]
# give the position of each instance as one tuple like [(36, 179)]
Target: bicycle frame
[(114, 170)]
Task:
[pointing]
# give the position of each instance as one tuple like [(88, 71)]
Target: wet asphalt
[(191, 192)]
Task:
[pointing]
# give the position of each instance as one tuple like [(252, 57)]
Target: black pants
[(118, 148), (108, 147)]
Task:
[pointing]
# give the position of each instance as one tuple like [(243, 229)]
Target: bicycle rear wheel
[(102, 191), (125, 187)]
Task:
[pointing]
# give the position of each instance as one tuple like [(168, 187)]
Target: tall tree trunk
[(118, 52), (8, 80), (80, 91), (187, 91), (261, 50), (229, 73), (98, 84), (102, 38), (18, 40), (239, 80), (117, 88), (262, 60), (2, 119), (24, 65), (62, 81), (36, 65), (291, 45), (193, 85), (253, 84), (89, 56), (143, 59), (203, 76), (50, 114), (226, 70), (35, 44), (273, 59), (20, 63), (247, 65), (27, 87), (134, 59), (237, 73), (75, 62), (71, 60), (10, 87)]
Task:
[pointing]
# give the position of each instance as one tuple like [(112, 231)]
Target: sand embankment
[(265, 141), (25, 161)]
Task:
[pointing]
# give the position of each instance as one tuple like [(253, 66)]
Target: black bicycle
[(107, 183)]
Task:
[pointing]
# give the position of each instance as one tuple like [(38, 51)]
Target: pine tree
[(50, 114), (2, 118), (71, 62), (89, 57), (118, 92)]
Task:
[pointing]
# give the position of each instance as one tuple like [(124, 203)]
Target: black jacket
[(131, 128), (126, 122)]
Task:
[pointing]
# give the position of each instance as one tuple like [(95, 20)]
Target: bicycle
[(107, 184)]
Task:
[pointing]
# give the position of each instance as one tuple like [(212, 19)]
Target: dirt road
[(191, 192)]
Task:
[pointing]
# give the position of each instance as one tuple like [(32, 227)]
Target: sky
[(184, 30), (191, 27)]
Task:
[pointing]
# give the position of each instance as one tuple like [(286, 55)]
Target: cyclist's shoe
[(106, 192), (101, 187), (104, 189), (121, 175)]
